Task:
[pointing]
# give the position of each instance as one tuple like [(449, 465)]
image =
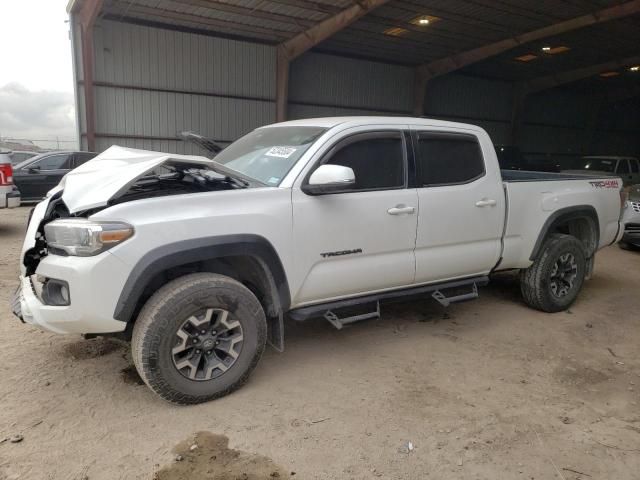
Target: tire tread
[(146, 333)]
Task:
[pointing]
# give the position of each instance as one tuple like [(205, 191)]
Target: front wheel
[(554, 280), (198, 338)]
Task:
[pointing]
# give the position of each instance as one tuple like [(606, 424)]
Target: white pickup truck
[(198, 261)]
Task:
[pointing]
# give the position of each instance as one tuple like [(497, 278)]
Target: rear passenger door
[(461, 206)]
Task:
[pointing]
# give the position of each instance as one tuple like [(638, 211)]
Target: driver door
[(361, 240)]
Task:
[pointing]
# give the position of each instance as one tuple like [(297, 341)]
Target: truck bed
[(534, 198), (512, 176)]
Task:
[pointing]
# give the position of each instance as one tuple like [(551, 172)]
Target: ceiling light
[(395, 31), (555, 50), (635, 68), (424, 20), (609, 74), (526, 57)]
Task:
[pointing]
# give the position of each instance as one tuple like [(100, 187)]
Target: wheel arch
[(250, 259), (580, 221)]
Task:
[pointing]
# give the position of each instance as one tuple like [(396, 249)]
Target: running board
[(445, 301), (339, 323), (448, 292)]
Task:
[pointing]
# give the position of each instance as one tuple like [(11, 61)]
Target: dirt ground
[(484, 390)]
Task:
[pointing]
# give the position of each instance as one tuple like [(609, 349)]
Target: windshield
[(267, 154), (599, 164)]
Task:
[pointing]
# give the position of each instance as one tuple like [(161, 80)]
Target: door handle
[(400, 210), (486, 202)]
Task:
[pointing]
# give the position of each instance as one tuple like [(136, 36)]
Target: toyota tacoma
[(199, 260)]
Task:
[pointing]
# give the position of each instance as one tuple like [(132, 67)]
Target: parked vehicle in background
[(631, 219), (37, 175), (20, 156), (199, 260), (9, 194), (627, 168)]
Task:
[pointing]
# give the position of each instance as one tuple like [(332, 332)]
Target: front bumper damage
[(94, 283)]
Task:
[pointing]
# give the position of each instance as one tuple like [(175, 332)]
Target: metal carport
[(555, 77)]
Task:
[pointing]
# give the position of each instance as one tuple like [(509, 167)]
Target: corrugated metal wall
[(460, 98), (554, 122), (326, 85), (152, 83)]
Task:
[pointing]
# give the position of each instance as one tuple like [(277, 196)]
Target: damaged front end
[(114, 177)]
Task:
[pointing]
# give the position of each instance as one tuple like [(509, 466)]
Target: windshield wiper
[(203, 142)]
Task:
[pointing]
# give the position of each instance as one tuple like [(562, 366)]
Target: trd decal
[(604, 184), (341, 253)]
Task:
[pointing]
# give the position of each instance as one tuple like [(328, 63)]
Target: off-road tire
[(162, 316), (535, 281)]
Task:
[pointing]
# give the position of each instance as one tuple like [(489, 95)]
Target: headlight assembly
[(84, 238)]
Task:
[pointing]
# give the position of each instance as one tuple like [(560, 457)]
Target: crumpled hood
[(94, 183)]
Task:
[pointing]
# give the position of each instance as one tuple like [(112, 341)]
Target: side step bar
[(444, 293), (445, 301), (339, 323)]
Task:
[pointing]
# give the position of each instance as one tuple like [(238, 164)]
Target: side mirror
[(35, 169), (329, 179)]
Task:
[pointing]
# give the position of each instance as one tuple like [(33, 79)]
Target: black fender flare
[(563, 215), (197, 250)]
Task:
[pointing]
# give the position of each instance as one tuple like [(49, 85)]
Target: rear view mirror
[(34, 169), (329, 179)]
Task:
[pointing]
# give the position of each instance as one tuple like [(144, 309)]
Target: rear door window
[(448, 159), (635, 167), (82, 157), (58, 161)]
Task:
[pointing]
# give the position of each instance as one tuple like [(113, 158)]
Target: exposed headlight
[(84, 238)]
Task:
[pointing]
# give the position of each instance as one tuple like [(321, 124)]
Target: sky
[(36, 77)]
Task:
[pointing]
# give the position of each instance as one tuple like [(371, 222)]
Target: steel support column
[(88, 13)]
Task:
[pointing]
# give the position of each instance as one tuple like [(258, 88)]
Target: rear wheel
[(198, 338), (554, 280)]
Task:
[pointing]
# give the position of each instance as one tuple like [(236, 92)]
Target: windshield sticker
[(281, 152), (273, 180)]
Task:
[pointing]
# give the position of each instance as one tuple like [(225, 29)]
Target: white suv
[(9, 194)]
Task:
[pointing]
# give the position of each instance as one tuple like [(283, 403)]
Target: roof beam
[(296, 46), (426, 71), (551, 81), (446, 65), (308, 39)]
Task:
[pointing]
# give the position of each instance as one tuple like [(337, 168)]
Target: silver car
[(631, 220)]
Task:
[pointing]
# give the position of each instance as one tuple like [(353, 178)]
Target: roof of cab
[(330, 122)]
